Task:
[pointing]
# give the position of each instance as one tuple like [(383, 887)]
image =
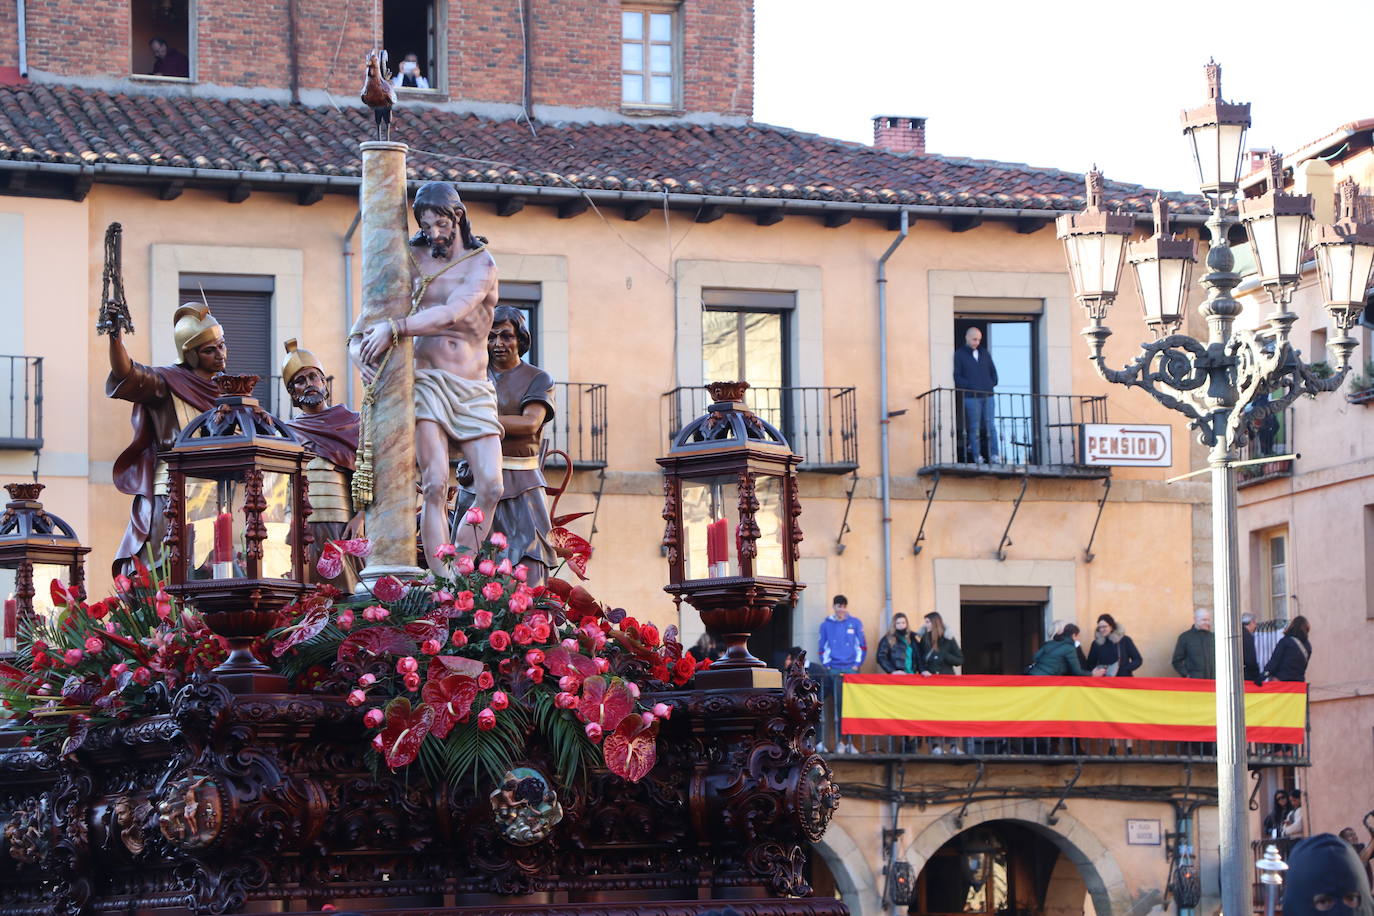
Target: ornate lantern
[(1278, 224), (732, 536), (236, 535), (1345, 258), (1095, 243), (1163, 267), (1216, 135), (36, 547)]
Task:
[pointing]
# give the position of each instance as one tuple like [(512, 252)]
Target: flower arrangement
[(460, 671), (102, 661)]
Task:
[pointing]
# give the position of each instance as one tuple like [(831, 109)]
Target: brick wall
[(574, 61)]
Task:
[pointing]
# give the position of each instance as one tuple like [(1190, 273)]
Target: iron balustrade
[(21, 403), (579, 424), (1032, 430), (1273, 436), (820, 423)]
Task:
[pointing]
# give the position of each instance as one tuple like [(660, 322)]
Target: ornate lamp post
[(237, 507), (35, 548), (732, 536), (1234, 378)]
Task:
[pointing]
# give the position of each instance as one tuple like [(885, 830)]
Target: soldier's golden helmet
[(193, 326), (296, 360)]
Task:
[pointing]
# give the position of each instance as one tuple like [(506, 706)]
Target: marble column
[(386, 286)]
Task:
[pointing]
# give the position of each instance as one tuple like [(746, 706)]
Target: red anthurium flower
[(405, 728), (630, 750), (311, 623), (574, 548), (388, 588), (330, 563), (605, 701), (451, 698)]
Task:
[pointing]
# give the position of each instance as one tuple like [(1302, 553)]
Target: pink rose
[(500, 640), (485, 680), (407, 665), (498, 540), (523, 634), (412, 681), (94, 644), (72, 656), (464, 565), (534, 656), (520, 602), (374, 717), (117, 669), (441, 597), (474, 516), (504, 567), (633, 688), (122, 583), (356, 698), (570, 644), (542, 632), (499, 700), (143, 676), (492, 590), (367, 680), (446, 552), (570, 682), (431, 647), (375, 613), (594, 731), (487, 568), (486, 720), (535, 674), (345, 620), (565, 700), (602, 665), (481, 619), (459, 638), (463, 601), (521, 572), (662, 711), (378, 744)]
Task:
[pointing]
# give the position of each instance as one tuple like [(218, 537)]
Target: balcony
[(21, 403), (1272, 437), (1038, 435), (821, 424), (579, 425)]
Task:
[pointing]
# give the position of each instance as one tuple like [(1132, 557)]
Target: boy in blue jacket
[(842, 650)]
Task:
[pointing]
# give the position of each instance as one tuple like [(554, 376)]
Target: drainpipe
[(348, 302), (293, 52), (885, 420), (21, 12)]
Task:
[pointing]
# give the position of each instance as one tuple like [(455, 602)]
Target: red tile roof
[(77, 126)]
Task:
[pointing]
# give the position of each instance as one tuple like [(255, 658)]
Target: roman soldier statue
[(165, 399), (524, 403), (331, 434)]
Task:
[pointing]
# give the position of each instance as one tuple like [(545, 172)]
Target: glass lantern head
[(1095, 247), (1278, 224), (1345, 257), (37, 547), (1216, 137), (1163, 267)]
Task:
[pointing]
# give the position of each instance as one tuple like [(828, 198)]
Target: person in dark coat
[(1195, 653), (1289, 661), (1250, 657), (1112, 650), (1273, 821), (975, 378), (940, 654), (1325, 877), (898, 651), (1059, 656)]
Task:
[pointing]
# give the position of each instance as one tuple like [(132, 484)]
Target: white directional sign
[(1127, 445)]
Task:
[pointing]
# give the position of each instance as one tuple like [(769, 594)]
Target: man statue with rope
[(453, 296)]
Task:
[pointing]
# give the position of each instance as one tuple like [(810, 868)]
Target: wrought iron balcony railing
[(1272, 436), (21, 403), (821, 424), (1037, 434), (579, 425)]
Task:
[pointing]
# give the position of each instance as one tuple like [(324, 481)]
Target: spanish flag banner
[(984, 706)]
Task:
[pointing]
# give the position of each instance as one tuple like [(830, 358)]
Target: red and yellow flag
[(1144, 708)]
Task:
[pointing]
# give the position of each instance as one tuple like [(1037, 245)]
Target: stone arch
[(1101, 873), (854, 878)]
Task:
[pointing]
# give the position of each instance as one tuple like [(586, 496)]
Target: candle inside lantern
[(224, 546), (11, 626), (718, 548)]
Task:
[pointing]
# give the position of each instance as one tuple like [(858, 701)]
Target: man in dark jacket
[(1195, 652), (1250, 657), (975, 377), (1325, 876)]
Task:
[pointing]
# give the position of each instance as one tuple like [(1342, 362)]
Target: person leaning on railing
[(1112, 650), (899, 651), (1059, 656)]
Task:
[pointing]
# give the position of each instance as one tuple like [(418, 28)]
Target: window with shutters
[(242, 303)]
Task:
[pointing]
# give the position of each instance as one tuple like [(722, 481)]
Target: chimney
[(1256, 160), (900, 135)]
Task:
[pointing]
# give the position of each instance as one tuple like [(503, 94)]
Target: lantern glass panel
[(1344, 272), (213, 541), (1264, 244), (1095, 259), (1217, 152), (1292, 230), (277, 517), (710, 521), (772, 541), (43, 574)]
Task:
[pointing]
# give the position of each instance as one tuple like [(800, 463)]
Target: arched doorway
[(999, 867)]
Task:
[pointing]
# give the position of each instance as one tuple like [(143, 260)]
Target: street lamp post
[(1229, 383)]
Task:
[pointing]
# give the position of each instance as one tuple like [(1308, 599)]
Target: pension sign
[(1126, 445)]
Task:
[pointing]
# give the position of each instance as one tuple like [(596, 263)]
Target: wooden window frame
[(645, 9)]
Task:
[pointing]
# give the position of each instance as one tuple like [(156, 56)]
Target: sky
[(1063, 83)]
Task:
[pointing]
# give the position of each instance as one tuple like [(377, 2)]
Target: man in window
[(165, 399), (168, 61), (975, 377), (331, 433)]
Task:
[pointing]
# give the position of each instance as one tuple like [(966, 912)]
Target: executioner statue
[(331, 434), (453, 295), (524, 399), (165, 398)]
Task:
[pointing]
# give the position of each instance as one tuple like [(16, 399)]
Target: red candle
[(712, 544), (11, 618), (224, 538)]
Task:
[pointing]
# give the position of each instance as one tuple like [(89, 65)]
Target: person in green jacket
[(1195, 653), (940, 654), (1059, 656)]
